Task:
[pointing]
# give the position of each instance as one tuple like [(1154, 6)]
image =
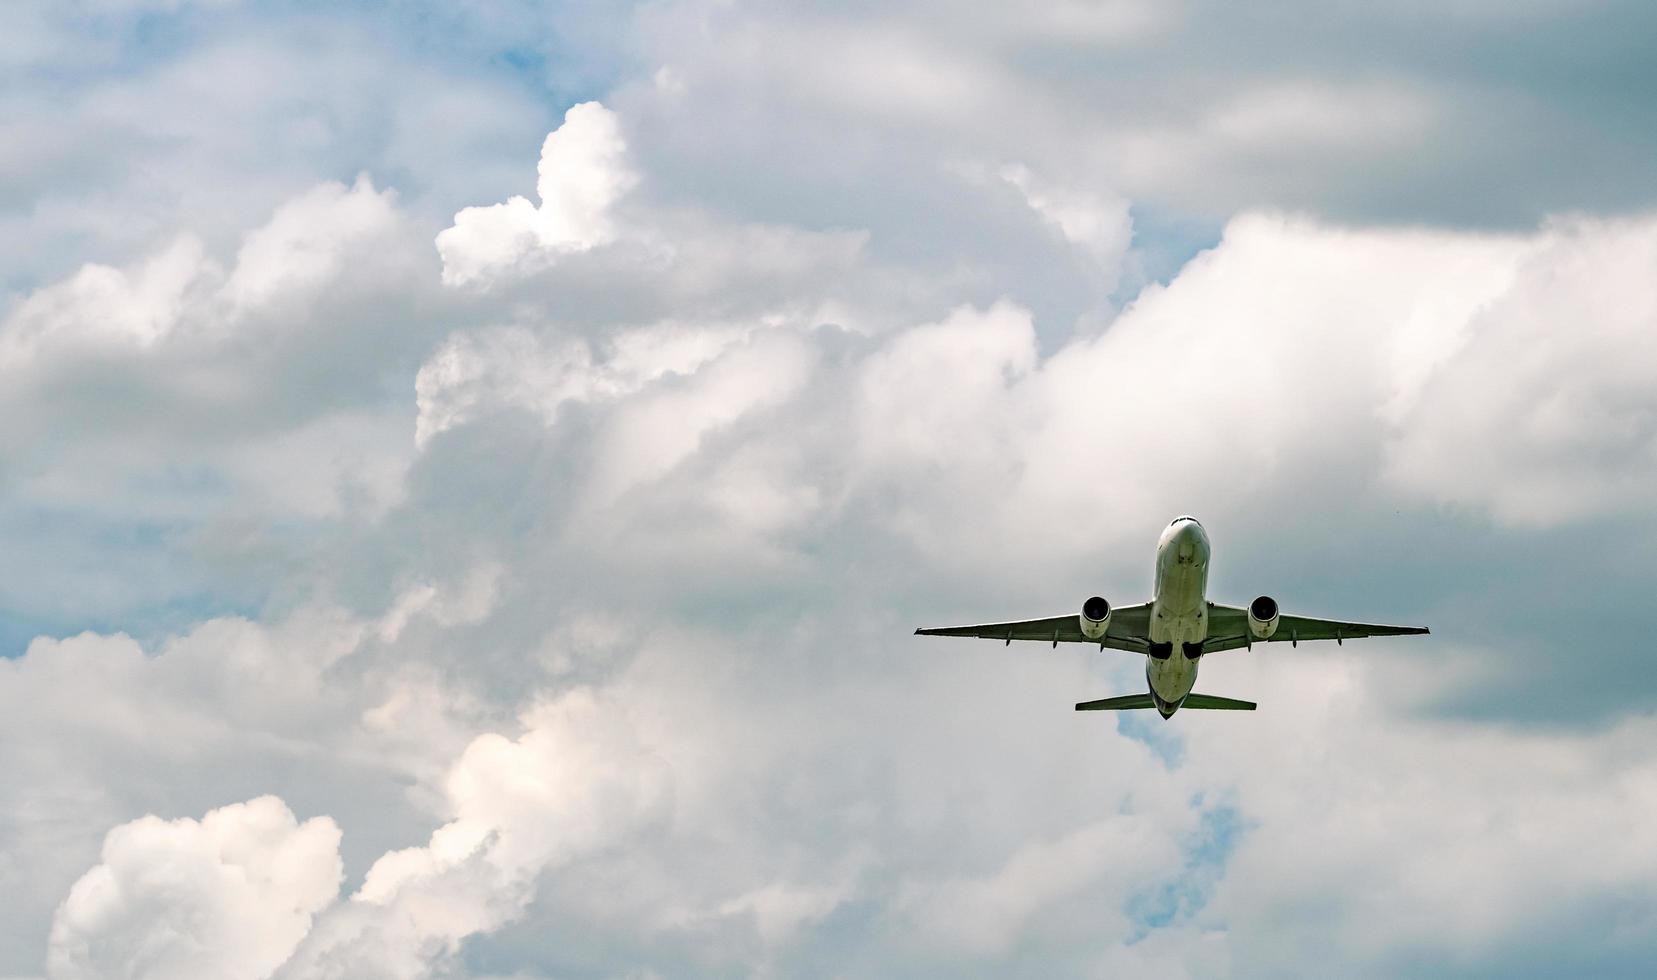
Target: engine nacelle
[(1263, 613), (1095, 618)]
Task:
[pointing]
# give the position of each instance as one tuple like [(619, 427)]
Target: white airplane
[(1176, 629)]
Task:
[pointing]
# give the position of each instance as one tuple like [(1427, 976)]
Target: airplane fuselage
[(1179, 613)]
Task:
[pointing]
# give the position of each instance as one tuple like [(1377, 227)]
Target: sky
[(470, 472)]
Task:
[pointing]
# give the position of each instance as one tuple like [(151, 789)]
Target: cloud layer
[(406, 586)]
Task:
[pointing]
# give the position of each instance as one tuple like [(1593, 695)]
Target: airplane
[(1176, 629)]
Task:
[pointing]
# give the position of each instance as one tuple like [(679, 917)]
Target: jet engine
[(1095, 618), (1263, 614)]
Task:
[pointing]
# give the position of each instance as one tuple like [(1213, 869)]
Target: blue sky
[(470, 473)]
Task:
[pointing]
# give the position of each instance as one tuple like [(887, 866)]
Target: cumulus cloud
[(583, 172), (603, 565), (577, 780), (1498, 834), (1375, 327), (248, 108), (1095, 222), (134, 307), (514, 368), (227, 896), (235, 894), (221, 709), (659, 260), (313, 239), (958, 422), (199, 385), (325, 249), (985, 916), (1557, 364)]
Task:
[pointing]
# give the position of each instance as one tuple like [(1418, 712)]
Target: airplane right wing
[(1128, 629)]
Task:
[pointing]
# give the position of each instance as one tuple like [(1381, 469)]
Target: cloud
[(514, 368), (968, 396), (230, 709), (578, 593), (182, 309), (1509, 851), (193, 386), (986, 916), (137, 307), (227, 896), (582, 173), (593, 257), (1340, 113), (1101, 226), (962, 421), (1556, 363), (312, 239), (574, 782), (240, 109)]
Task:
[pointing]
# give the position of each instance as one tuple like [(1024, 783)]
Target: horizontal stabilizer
[(1215, 703), (1122, 703), (1128, 702)]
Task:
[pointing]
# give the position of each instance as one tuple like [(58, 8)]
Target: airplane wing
[(1128, 630), (1228, 629)]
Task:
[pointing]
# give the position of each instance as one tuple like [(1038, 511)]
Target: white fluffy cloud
[(199, 393), (957, 422), (1513, 838), (574, 782), (1561, 365), (477, 372), (219, 710), (228, 896), (139, 306), (235, 894), (583, 172), (601, 560), (1088, 219), (1377, 329)]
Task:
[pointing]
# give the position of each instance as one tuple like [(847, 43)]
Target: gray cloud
[(1406, 114)]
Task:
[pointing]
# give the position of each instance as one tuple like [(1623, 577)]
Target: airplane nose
[(1191, 545)]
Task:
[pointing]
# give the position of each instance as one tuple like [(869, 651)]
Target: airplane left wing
[(1228, 629), (1127, 630)]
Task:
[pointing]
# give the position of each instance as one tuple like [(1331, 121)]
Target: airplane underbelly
[(1171, 679), (1180, 612), (1179, 628)]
